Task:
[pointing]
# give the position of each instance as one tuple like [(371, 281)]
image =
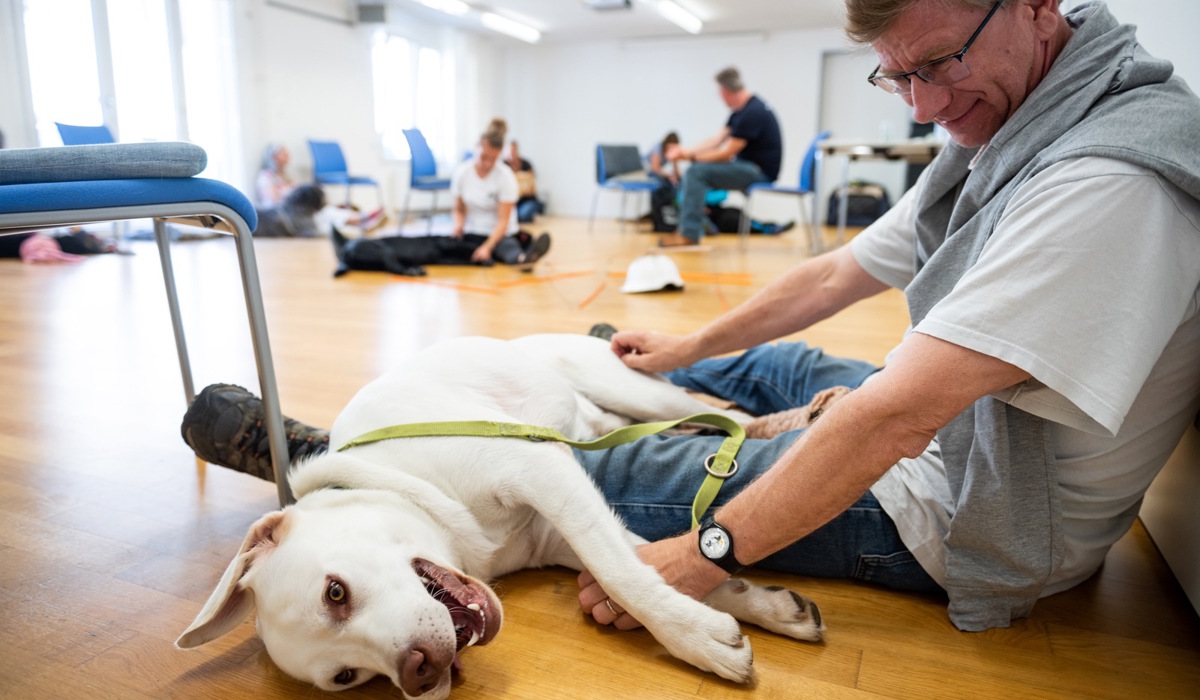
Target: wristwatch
[(716, 545)]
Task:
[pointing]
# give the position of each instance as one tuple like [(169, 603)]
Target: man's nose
[(927, 100)]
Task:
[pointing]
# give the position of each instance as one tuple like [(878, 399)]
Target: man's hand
[(677, 560), (483, 253), (675, 152), (652, 352)]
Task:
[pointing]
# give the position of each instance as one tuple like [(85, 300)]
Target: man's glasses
[(946, 70)]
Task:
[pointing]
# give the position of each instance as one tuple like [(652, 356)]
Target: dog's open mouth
[(470, 605)]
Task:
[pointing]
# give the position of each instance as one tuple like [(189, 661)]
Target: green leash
[(719, 466)]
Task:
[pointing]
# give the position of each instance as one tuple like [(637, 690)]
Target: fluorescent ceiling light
[(686, 20), (458, 8), (510, 27)]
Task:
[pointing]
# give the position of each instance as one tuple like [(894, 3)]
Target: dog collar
[(718, 467)]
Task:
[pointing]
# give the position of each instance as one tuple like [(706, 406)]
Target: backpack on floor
[(867, 202), (664, 212)]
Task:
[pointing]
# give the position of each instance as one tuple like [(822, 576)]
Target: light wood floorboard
[(112, 534)]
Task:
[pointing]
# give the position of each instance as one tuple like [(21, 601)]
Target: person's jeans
[(651, 483), (702, 177)]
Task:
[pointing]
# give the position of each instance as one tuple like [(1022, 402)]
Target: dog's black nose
[(422, 668)]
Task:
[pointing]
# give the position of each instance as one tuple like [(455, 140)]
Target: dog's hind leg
[(548, 479), (595, 372), (773, 608)]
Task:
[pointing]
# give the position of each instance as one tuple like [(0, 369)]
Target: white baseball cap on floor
[(652, 273)]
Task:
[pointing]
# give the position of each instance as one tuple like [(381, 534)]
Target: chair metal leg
[(844, 203), (810, 222), (744, 222), (621, 214), (592, 218), (262, 358), (404, 211), (429, 216), (164, 255)]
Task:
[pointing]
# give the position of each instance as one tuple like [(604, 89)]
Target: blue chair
[(74, 135), (423, 176), (620, 168), (806, 188), (329, 168), (51, 187)]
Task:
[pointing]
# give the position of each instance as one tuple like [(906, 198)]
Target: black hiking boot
[(226, 426)]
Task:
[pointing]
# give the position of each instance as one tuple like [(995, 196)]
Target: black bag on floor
[(664, 213), (726, 219), (867, 202)]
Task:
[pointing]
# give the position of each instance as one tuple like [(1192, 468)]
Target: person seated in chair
[(748, 150)]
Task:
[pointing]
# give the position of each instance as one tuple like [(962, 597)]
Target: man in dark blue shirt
[(746, 151)]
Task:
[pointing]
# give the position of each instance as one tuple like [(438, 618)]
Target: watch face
[(714, 543)]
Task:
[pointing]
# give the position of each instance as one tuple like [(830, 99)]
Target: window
[(61, 52), (141, 69), (152, 70), (414, 87)]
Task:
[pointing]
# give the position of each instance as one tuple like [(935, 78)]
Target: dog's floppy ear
[(231, 602)]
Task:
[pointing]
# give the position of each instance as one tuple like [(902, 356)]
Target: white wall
[(16, 113), (563, 100), (1166, 28), (307, 77)]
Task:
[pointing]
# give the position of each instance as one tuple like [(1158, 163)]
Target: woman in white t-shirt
[(485, 198)]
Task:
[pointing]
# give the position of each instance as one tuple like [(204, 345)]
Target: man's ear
[(231, 602), (1046, 17)]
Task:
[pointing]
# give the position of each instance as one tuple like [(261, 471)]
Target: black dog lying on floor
[(392, 254), (295, 217), (406, 255)]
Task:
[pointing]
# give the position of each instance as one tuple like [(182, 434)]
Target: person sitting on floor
[(485, 197), (39, 247), (305, 213)]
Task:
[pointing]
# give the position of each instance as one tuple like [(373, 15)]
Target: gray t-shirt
[(1090, 283)]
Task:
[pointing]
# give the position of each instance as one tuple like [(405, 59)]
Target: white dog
[(380, 568)]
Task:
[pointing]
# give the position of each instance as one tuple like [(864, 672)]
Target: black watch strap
[(716, 545)]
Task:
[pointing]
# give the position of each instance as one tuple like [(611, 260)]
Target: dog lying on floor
[(380, 567)]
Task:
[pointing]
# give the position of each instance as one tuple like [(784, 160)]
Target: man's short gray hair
[(730, 79), (867, 20)]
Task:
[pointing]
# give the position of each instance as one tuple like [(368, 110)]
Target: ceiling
[(573, 20)]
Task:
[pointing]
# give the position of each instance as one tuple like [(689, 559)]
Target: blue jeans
[(651, 483), (702, 177)]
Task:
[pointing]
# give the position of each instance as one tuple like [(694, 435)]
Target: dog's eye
[(336, 593), (346, 677)]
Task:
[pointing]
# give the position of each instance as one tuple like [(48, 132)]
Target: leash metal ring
[(708, 461)]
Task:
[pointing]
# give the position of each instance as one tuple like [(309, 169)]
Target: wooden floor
[(112, 535)]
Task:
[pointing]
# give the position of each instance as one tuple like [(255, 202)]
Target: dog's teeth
[(474, 638), (473, 606)]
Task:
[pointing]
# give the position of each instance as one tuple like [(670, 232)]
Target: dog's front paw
[(773, 608), (709, 640)]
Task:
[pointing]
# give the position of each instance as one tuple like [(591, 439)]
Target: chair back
[(423, 162), (74, 135), (327, 158), (616, 159), (808, 168)]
